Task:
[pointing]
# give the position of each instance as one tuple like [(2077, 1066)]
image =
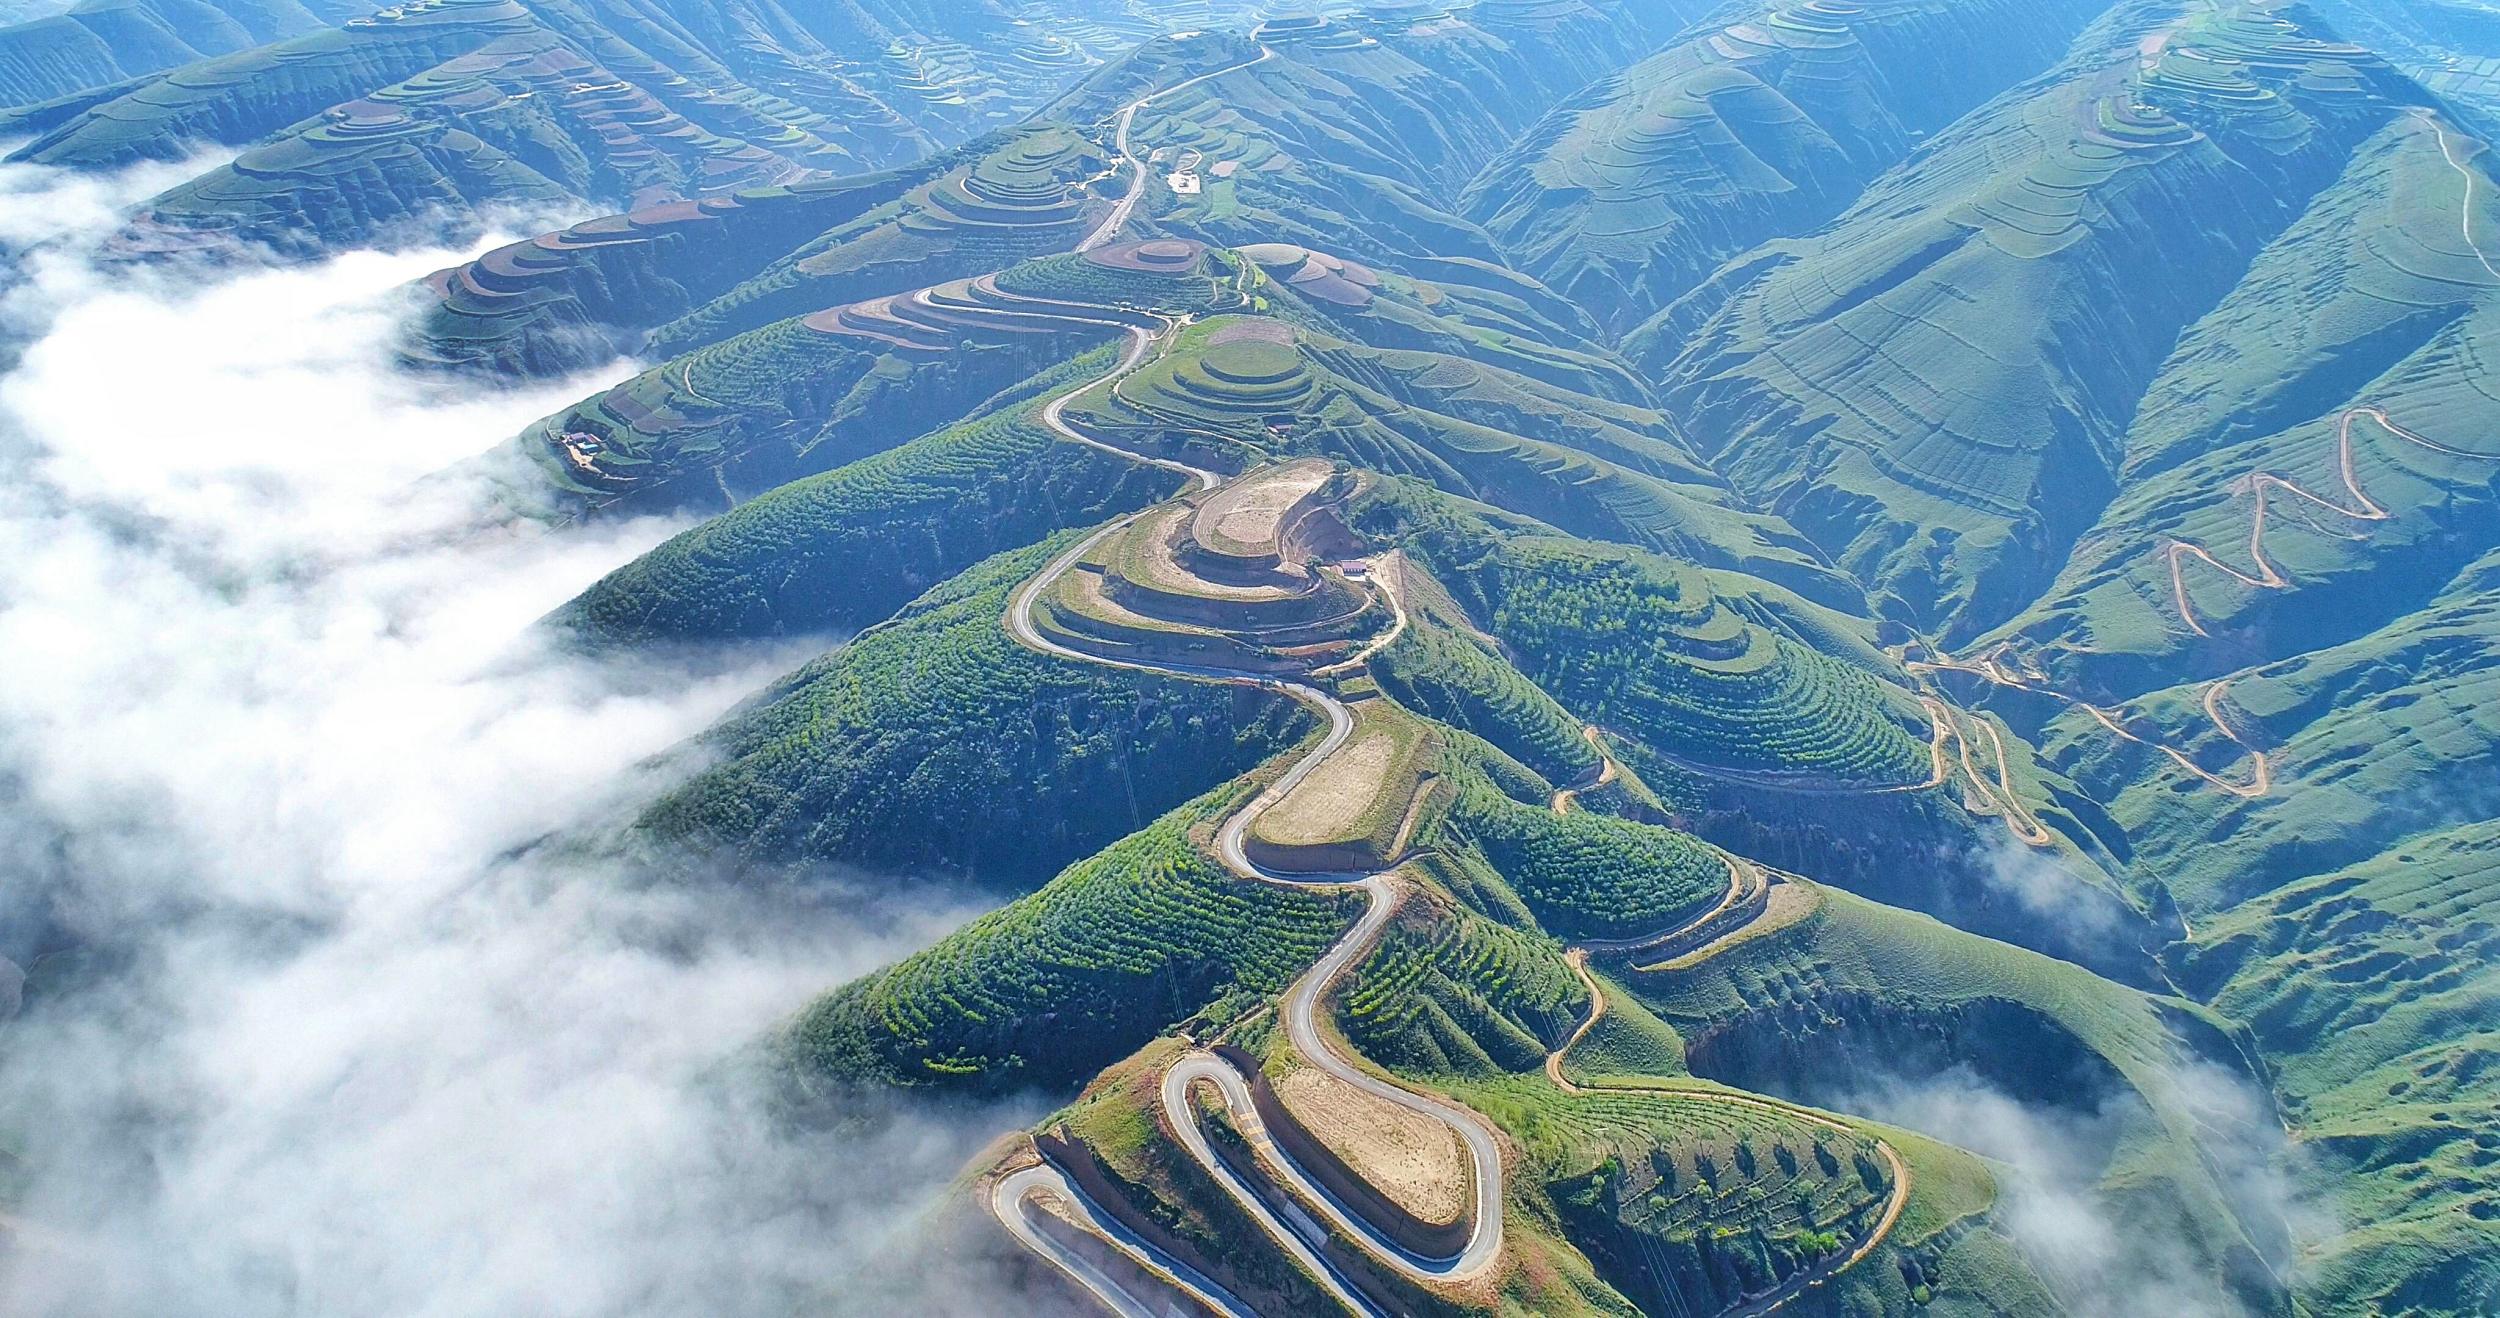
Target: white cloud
[(2054, 1194), (280, 746)]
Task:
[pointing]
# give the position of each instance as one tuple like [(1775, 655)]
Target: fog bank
[(310, 1024)]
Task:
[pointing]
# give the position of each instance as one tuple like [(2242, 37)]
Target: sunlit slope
[(1606, 470), (740, 417), (737, 419), (101, 42), (2299, 570), (442, 111), (242, 96), (1446, 307), (840, 550), (1766, 722), (2445, 45), (1936, 387), (1860, 1004), (2317, 457), (1675, 1201), (1635, 190), (933, 742), (741, 261), (2342, 912), (445, 145), (245, 94), (1052, 988), (1022, 195), (708, 269)]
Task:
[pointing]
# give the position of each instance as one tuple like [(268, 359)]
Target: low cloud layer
[(2054, 1200), (309, 1030)]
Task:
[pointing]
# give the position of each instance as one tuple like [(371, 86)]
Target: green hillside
[(1751, 127), (937, 717)]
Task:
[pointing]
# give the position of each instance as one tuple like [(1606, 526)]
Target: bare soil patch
[(1413, 1160)]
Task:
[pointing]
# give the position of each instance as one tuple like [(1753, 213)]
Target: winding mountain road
[(1303, 1236), (1111, 224), (1013, 1198)]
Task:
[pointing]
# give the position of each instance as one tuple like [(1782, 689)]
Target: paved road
[(1120, 210), (1012, 1201)]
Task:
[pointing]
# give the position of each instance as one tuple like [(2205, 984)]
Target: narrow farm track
[(2363, 508), (2176, 555), (1996, 668), (1578, 958), (1111, 224), (1605, 772), (1992, 667), (2465, 224), (1303, 1236)]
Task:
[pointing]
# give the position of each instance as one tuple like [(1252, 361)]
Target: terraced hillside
[(698, 271), (1635, 191), (2103, 207), (1352, 134), (1824, 656), (98, 43)]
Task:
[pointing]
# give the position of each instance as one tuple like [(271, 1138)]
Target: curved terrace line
[(1305, 1239)]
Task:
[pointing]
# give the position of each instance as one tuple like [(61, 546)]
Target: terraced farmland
[(983, 1010), (1951, 468), (1633, 193), (1588, 875), (1642, 647), (939, 716)]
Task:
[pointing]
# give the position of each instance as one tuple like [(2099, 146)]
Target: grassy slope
[(1007, 764), (2372, 987), (840, 550), (1049, 990), (2372, 299), (1797, 1009), (1637, 189), (1865, 377), (2344, 914)]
